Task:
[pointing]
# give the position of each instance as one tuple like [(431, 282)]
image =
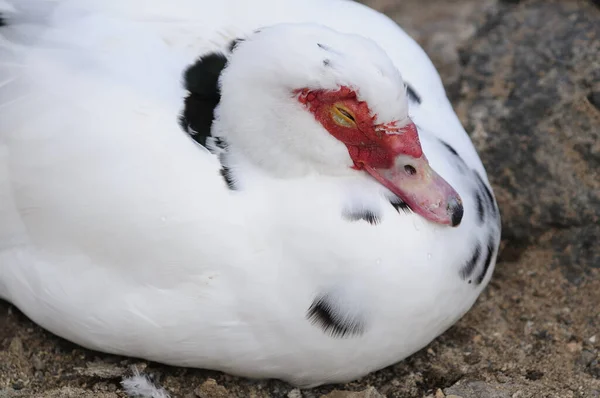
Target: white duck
[(293, 254)]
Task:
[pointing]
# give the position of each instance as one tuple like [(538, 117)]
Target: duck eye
[(342, 116), (347, 114)]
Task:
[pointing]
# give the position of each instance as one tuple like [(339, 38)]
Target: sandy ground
[(535, 331)]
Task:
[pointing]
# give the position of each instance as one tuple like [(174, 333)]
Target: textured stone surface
[(211, 389), (64, 392), (478, 389), (524, 78), (528, 94), (370, 392), (440, 27)]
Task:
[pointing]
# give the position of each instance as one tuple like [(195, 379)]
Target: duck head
[(299, 99)]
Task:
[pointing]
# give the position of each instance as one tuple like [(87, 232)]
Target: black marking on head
[(201, 80), (470, 265), (326, 62), (412, 94), (480, 207), (400, 206), (324, 314), (488, 260), (234, 43), (363, 214), (228, 177)]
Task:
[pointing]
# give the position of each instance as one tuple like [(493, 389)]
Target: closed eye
[(342, 116), (346, 113)]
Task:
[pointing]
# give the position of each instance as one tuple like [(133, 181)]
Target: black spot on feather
[(480, 207), (2, 21), (470, 265), (324, 47), (401, 206), (489, 198), (366, 215), (324, 314), (326, 63), (218, 146), (220, 143), (412, 94), (228, 177), (234, 44), (201, 80), (488, 260), (450, 148), (462, 167)]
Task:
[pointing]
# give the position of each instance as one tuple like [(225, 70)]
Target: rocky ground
[(524, 77)]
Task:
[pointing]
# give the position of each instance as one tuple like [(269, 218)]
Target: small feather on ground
[(139, 386)]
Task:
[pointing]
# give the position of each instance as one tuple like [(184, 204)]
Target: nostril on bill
[(410, 170), (456, 211)]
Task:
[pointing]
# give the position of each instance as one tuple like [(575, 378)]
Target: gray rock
[(529, 97), (370, 392), (480, 389), (211, 389), (64, 392), (38, 363), (440, 27), (101, 370), (295, 393)]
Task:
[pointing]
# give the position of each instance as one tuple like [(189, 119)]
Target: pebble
[(370, 392), (37, 363), (18, 385), (16, 347), (502, 378), (211, 389), (586, 358), (478, 389), (295, 393), (574, 346), (101, 370)]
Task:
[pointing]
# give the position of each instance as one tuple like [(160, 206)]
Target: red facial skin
[(367, 143), (382, 149)]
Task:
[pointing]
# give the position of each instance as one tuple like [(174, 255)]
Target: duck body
[(119, 233)]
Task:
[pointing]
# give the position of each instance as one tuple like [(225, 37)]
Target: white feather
[(139, 386)]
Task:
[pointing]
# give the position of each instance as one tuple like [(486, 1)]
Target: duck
[(272, 189)]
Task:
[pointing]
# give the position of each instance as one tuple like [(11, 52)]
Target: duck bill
[(421, 188)]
